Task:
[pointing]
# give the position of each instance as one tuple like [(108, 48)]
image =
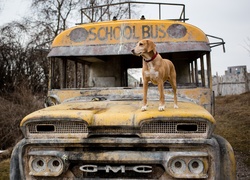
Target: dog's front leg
[(162, 96), (145, 92)]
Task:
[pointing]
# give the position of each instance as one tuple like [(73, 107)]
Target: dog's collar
[(151, 58)]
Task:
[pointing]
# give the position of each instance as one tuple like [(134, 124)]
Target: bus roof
[(118, 37)]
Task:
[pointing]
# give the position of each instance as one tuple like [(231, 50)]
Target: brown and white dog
[(156, 70)]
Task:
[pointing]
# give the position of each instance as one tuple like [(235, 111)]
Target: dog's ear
[(150, 46)]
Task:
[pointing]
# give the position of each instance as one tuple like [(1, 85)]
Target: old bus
[(92, 126)]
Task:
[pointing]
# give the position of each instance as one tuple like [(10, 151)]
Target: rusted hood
[(117, 113)]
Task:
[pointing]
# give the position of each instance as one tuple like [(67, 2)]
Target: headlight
[(45, 166), (178, 166), (193, 165), (38, 164), (55, 165), (196, 166)]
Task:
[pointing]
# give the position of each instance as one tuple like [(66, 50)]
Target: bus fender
[(15, 166), (227, 159)]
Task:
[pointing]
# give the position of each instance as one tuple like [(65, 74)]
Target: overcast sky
[(228, 19)]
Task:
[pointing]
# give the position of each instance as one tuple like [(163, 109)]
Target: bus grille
[(173, 127), (58, 127)]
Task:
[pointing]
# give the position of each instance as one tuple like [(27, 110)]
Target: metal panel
[(124, 49)]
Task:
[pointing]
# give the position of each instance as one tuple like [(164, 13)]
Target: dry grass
[(5, 169), (233, 122), (13, 108)]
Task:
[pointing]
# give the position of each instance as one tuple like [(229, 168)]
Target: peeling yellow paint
[(106, 113), (100, 32)]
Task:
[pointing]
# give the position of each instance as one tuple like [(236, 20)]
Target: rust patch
[(78, 35), (95, 109), (177, 31)]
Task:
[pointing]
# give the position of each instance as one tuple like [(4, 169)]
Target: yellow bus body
[(119, 37)]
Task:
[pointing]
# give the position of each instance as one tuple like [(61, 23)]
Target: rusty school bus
[(92, 126)]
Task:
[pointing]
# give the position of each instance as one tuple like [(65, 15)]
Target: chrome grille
[(57, 127), (149, 129), (173, 127)]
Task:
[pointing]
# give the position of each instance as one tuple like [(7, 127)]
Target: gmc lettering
[(115, 169)]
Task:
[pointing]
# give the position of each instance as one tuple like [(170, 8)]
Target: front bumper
[(121, 158)]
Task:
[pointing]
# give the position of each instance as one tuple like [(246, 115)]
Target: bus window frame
[(80, 72)]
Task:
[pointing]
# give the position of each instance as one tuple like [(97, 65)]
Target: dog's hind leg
[(162, 96), (145, 92), (173, 84)]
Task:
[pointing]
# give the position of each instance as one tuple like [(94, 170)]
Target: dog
[(156, 70)]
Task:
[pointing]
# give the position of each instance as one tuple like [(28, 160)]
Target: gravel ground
[(243, 172)]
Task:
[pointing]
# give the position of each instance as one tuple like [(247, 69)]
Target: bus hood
[(118, 118), (117, 113)]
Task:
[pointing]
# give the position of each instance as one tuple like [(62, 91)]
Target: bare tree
[(24, 45), (51, 17), (20, 61), (99, 10)]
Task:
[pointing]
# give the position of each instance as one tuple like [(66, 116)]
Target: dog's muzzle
[(134, 53)]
